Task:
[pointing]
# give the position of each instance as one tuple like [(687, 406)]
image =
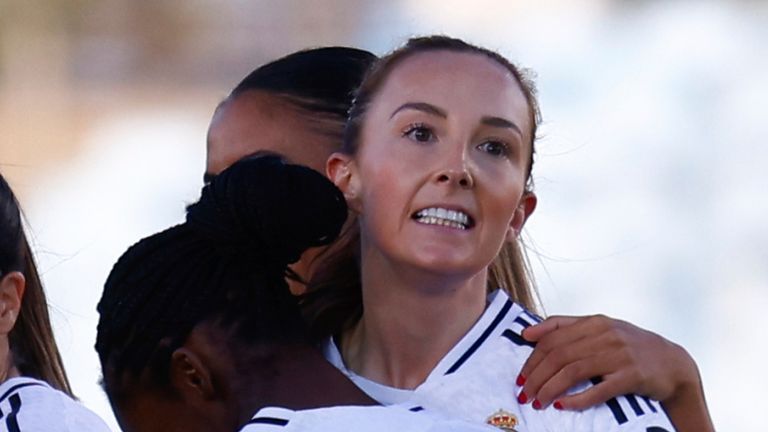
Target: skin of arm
[(629, 359)]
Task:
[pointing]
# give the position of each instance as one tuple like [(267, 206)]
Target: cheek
[(381, 174), (384, 196), (502, 194), (381, 197)]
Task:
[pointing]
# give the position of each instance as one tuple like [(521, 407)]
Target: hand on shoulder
[(628, 359)]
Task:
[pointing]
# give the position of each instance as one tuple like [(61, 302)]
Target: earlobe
[(190, 375), (12, 288), (340, 168), (523, 211)]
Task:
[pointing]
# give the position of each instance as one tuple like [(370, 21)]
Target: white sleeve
[(80, 418), (36, 407)]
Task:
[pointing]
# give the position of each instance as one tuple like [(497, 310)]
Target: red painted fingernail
[(536, 404), (522, 398), (557, 405), (520, 380)]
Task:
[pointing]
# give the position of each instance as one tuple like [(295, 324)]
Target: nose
[(461, 178), (455, 172)]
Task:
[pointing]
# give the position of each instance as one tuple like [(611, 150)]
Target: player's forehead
[(260, 121)]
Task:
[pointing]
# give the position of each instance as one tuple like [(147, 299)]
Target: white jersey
[(357, 419), (475, 381), (30, 405)]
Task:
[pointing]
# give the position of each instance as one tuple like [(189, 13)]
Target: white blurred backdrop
[(650, 172)]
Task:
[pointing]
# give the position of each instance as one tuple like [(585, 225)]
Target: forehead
[(459, 80), (256, 121), (446, 62)]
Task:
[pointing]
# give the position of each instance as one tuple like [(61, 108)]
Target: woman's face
[(439, 176)]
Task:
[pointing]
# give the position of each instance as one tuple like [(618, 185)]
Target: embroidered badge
[(503, 420)]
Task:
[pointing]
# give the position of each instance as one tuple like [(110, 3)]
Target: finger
[(563, 331), (601, 364), (565, 366), (574, 328), (610, 387), (537, 331)]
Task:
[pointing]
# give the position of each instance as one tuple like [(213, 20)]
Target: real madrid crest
[(503, 420)]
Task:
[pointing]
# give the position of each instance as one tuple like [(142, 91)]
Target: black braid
[(226, 262)]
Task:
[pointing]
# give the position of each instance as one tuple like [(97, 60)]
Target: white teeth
[(443, 217)]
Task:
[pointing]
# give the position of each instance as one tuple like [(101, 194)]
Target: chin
[(448, 266)]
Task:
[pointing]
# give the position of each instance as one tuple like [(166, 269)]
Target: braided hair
[(227, 262)]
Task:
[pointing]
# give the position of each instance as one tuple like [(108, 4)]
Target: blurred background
[(651, 168)]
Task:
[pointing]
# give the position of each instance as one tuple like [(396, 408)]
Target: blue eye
[(419, 132), (494, 148)]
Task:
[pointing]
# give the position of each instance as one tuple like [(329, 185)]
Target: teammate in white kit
[(31, 405), (34, 391), (472, 382), (436, 163), (199, 331)]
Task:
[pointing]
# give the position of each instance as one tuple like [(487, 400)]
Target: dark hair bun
[(268, 211), (324, 77)]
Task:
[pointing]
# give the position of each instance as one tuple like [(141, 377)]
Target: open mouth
[(444, 217)]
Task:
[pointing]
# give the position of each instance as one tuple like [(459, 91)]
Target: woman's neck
[(300, 378), (7, 365), (412, 319)]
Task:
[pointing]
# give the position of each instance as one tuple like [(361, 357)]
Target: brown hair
[(334, 295), (31, 340)]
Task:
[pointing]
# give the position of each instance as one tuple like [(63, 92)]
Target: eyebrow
[(421, 106), (432, 109), (501, 123)]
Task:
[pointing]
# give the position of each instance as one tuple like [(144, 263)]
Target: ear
[(341, 169), (524, 209), (191, 376), (11, 292)]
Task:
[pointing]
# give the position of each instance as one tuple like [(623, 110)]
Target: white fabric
[(484, 382), (355, 418), (30, 405)]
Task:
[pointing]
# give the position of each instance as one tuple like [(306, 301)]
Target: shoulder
[(30, 405), (367, 418), (478, 376), (270, 419), (623, 413)]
